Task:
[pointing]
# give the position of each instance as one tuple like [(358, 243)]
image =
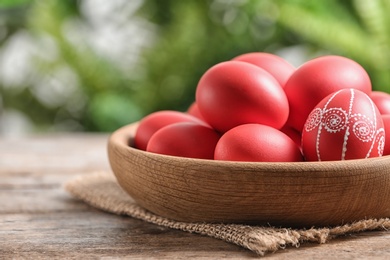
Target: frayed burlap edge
[(101, 190)]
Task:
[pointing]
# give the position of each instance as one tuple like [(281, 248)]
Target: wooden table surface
[(39, 219)]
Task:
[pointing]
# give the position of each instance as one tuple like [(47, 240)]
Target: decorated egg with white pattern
[(344, 125)]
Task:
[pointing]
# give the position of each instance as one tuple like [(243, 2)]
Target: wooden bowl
[(299, 194)]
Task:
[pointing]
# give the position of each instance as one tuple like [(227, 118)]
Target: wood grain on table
[(39, 219)]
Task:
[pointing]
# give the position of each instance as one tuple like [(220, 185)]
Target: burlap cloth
[(101, 190)]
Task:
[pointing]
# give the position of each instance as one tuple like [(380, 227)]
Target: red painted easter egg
[(154, 121), (233, 93), (185, 139), (278, 67), (382, 101), (316, 79), (257, 143), (344, 125)]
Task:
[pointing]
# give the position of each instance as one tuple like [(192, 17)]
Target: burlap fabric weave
[(101, 190)]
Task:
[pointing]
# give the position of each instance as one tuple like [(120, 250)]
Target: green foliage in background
[(358, 29), (12, 3), (187, 38)]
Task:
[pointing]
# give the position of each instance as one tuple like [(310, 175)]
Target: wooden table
[(39, 219)]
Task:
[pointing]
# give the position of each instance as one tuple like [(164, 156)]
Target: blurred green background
[(95, 65)]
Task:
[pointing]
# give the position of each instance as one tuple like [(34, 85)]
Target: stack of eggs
[(259, 108)]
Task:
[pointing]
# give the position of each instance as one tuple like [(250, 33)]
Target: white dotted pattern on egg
[(332, 120)]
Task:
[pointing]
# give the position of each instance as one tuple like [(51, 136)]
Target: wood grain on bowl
[(286, 194)]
